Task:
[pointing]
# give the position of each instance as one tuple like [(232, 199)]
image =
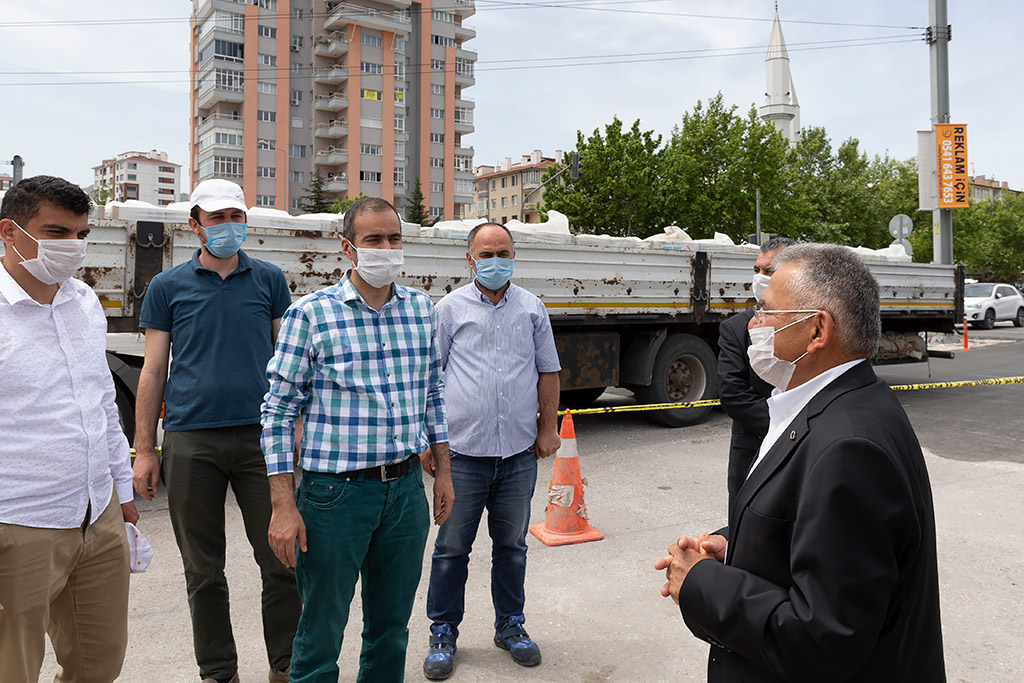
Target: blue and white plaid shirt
[(371, 383)]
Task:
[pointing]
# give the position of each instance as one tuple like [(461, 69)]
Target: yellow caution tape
[(715, 401)]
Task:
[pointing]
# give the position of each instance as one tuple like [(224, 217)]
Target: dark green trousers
[(358, 528), (197, 468)]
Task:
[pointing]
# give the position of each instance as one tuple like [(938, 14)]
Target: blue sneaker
[(440, 661), (514, 638)]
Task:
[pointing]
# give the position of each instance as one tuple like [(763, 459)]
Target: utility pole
[(938, 36)]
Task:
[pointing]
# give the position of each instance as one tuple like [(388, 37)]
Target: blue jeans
[(504, 488), (358, 527)]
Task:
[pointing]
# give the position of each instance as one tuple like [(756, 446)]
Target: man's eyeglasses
[(760, 309)]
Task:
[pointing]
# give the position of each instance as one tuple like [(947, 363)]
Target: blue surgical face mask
[(225, 239), (493, 273)]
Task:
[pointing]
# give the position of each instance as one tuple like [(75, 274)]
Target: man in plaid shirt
[(360, 362)]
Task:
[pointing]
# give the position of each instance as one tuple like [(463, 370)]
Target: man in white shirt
[(65, 471)]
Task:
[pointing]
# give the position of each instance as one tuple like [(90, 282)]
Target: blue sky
[(876, 93)]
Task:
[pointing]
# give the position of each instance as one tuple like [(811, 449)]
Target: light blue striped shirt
[(492, 355), (370, 382)]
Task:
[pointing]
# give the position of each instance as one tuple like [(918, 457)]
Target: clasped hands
[(683, 555)]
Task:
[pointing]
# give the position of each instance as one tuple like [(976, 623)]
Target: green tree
[(713, 164), (341, 205), (619, 188), (315, 200), (415, 211)]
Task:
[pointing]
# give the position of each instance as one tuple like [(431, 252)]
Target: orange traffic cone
[(565, 518)]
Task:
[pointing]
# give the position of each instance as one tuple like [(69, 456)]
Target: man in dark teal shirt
[(219, 313)]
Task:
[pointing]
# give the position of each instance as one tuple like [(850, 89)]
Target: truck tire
[(125, 411), (580, 398), (685, 369)]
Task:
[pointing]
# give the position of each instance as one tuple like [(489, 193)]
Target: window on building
[(436, 113), (166, 181), (132, 176), (266, 31), (436, 211), (463, 115), (295, 205), (368, 94), (224, 50), (494, 203), (504, 182), (296, 122), (399, 149), (400, 69), (371, 40), (265, 143), (399, 123), (265, 200), (436, 89), (224, 167), (504, 202), (374, 150), (165, 190), (266, 60), (296, 177), (513, 181), (463, 67), (463, 187), (297, 151), (370, 176), (166, 169), (296, 67), (266, 88), (443, 40), (399, 175), (492, 184), (296, 13), (296, 42), (132, 165), (443, 16), (266, 172), (264, 115), (400, 95), (463, 164), (514, 200), (265, 4), (371, 68), (296, 96), (437, 187), (437, 64), (436, 162), (437, 137)]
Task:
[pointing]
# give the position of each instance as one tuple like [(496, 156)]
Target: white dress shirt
[(783, 406), (61, 445)]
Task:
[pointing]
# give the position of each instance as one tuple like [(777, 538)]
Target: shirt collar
[(13, 293), (783, 405), (483, 297), (348, 293), (244, 263)]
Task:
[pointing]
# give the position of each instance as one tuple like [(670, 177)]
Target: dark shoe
[(514, 638), (233, 679), (278, 675), (440, 661)]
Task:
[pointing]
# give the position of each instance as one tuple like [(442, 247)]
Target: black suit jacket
[(831, 571), (743, 395)]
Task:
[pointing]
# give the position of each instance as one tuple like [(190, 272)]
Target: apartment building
[(368, 93), (509, 190), (6, 181), (982, 189), (146, 176)]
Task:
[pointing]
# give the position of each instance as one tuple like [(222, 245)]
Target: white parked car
[(985, 303)]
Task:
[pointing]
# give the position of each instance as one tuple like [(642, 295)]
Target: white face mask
[(764, 362), (760, 285), (55, 261), (379, 267)]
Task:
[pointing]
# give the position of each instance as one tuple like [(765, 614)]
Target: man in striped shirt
[(360, 362), (501, 369)]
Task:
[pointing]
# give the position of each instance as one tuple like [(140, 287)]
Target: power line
[(635, 58)]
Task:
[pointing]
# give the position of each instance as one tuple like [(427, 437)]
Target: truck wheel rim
[(685, 379)]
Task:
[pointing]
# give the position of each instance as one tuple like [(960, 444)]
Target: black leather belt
[(385, 473)]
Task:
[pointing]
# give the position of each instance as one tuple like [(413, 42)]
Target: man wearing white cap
[(220, 312)]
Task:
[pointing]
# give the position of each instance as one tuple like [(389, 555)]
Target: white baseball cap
[(217, 194)]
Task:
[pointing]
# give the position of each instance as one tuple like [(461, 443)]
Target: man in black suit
[(744, 394), (827, 570)]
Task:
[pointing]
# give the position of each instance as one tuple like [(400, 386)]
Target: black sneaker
[(440, 661), (514, 638)]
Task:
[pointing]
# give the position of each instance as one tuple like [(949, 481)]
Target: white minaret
[(781, 106)]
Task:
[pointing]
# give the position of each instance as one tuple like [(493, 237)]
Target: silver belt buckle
[(384, 474)]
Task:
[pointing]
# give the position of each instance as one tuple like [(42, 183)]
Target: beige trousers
[(72, 584)]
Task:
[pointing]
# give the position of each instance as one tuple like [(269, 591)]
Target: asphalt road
[(595, 608)]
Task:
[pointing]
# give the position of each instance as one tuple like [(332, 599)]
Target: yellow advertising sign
[(951, 164)]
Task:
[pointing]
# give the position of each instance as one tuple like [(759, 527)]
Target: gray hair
[(477, 228), (777, 243), (832, 278), (374, 204)]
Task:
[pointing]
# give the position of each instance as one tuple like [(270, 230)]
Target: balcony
[(343, 14), (333, 129), (333, 45), (335, 101), (336, 182), (216, 94), (464, 32), (464, 8), (219, 121), (207, 7), (331, 156), (331, 75)]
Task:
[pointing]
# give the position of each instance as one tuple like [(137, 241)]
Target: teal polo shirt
[(220, 339)]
